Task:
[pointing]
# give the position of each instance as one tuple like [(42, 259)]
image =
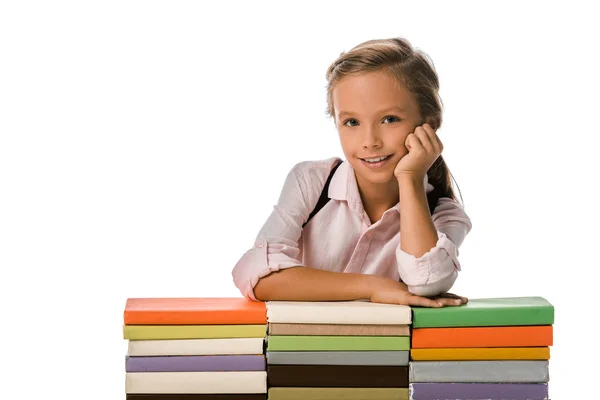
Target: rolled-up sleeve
[(436, 271), (276, 245)]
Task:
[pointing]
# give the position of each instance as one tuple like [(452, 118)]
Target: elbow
[(436, 288), (249, 269), (251, 281), (245, 280), (261, 290), (245, 288), (433, 273), (257, 264), (262, 287)]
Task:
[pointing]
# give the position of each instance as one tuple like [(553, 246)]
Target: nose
[(371, 138)]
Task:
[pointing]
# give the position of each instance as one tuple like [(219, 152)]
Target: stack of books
[(337, 350), (496, 348), (195, 348)]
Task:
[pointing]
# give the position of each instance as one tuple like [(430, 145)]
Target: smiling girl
[(383, 224)]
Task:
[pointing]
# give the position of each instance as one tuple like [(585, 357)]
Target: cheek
[(347, 141), (400, 144), (402, 151)]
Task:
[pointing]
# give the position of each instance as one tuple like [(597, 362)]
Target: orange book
[(481, 353), (194, 311), (492, 336)]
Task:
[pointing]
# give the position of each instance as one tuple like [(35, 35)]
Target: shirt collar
[(343, 186)]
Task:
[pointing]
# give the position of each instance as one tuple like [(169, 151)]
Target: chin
[(379, 177)]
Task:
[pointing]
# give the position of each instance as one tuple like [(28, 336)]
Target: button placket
[(360, 253)]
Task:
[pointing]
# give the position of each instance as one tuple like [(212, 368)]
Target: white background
[(144, 143)]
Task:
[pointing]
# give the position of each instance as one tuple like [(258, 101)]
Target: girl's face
[(374, 114)]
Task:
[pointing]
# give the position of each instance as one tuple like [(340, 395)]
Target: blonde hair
[(414, 70)]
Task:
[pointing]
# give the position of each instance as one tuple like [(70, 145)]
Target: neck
[(378, 196)]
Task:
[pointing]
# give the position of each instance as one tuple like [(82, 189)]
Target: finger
[(414, 300), (453, 296), (425, 139), (413, 143), (434, 138), (447, 301)]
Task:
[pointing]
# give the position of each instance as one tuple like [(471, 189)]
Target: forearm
[(308, 284), (418, 234)]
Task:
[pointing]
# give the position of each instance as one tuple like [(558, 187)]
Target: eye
[(349, 120), (393, 119)]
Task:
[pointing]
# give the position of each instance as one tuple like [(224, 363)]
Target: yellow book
[(482, 353), (154, 332)]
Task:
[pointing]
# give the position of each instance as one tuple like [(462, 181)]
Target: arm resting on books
[(309, 284)]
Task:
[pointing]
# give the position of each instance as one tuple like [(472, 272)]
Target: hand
[(389, 291), (424, 147), (458, 300)]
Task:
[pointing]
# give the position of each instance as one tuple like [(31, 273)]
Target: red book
[(194, 311)]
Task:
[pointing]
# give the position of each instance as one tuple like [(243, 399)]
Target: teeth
[(375, 159)]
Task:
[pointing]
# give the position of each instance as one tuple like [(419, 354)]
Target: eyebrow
[(395, 108)]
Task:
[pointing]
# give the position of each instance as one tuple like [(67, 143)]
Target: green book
[(337, 343), (158, 332), (506, 311)]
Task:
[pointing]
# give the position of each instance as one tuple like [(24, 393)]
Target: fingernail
[(439, 304), (457, 301)]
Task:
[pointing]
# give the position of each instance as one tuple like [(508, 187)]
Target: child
[(384, 224)]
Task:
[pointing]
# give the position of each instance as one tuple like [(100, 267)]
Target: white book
[(338, 312), (195, 347), (196, 382)]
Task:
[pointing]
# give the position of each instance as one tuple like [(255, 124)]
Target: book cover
[(194, 311), (507, 311)]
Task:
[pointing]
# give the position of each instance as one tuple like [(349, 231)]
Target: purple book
[(195, 363), (478, 391)]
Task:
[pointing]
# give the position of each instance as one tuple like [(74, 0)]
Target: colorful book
[(307, 393), (230, 382), (399, 357), (337, 376), (195, 363), (195, 347), (489, 391), (154, 332), (338, 312), (479, 371), (496, 336), (194, 311), (338, 330), (337, 343), (482, 353), (507, 311)]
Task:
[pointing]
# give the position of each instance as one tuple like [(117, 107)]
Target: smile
[(376, 162)]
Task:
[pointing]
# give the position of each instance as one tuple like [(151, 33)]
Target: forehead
[(368, 93)]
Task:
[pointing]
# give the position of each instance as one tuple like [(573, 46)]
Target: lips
[(384, 158), (375, 165)]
